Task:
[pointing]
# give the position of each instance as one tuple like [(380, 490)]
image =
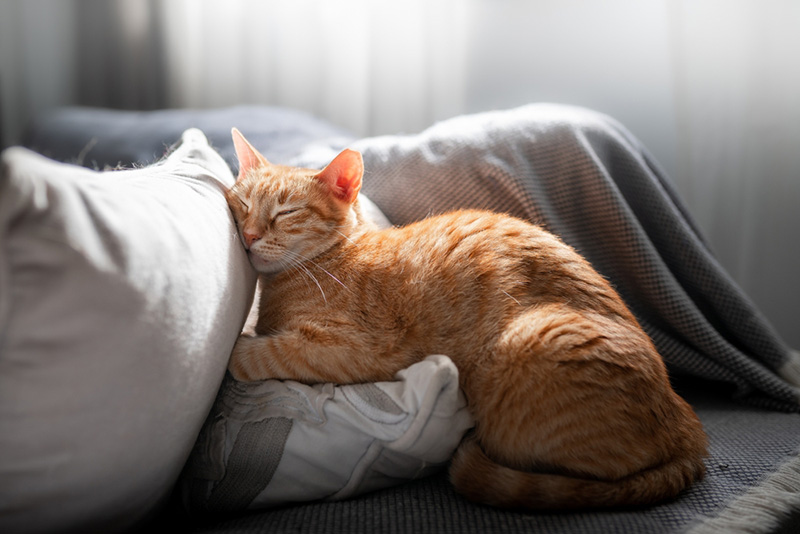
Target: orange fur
[(572, 403)]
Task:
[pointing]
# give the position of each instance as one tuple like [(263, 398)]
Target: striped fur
[(572, 403)]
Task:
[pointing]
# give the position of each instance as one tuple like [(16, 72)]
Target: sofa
[(123, 287)]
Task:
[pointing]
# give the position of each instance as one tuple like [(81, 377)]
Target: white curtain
[(736, 71), (36, 61), (712, 87), (371, 66)]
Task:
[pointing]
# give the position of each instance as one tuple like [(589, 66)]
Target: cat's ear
[(343, 175), (247, 155)]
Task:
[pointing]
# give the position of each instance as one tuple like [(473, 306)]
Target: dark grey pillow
[(98, 138)]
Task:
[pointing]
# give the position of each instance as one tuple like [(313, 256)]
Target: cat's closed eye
[(244, 204), (287, 212)]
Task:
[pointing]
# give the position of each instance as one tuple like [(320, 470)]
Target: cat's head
[(286, 215)]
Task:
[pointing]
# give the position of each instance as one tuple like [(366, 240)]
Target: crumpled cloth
[(276, 442)]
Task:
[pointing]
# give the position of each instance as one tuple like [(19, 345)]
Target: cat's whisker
[(509, 296), (314, 278), (344, 236), (329, 274), (300, 268), (309, 260), (295, 269)]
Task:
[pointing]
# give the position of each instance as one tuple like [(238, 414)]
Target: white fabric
[(121, 296), (373, 212), (338, 441)]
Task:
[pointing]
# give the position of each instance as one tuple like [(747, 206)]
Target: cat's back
[(446, 255), (487, 252), (459, 224), (461, 239)]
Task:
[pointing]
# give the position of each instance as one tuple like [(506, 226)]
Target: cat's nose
[(249, 238)]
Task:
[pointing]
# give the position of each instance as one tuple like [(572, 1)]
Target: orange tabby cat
[(572, 403)]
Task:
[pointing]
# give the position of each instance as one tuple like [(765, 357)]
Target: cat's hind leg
[(574, 410), (563, 388)]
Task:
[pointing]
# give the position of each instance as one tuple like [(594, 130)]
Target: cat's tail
[(480, 479)]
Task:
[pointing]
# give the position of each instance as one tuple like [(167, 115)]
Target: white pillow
[(121, 296), (274, 442)]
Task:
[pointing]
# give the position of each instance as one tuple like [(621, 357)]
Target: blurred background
[(712, 87)]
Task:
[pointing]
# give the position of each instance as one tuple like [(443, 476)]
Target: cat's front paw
[(246, 363)]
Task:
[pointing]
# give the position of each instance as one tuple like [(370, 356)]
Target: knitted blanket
[(588, 180)]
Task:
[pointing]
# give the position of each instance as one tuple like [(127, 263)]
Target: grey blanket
[(587, 179)]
